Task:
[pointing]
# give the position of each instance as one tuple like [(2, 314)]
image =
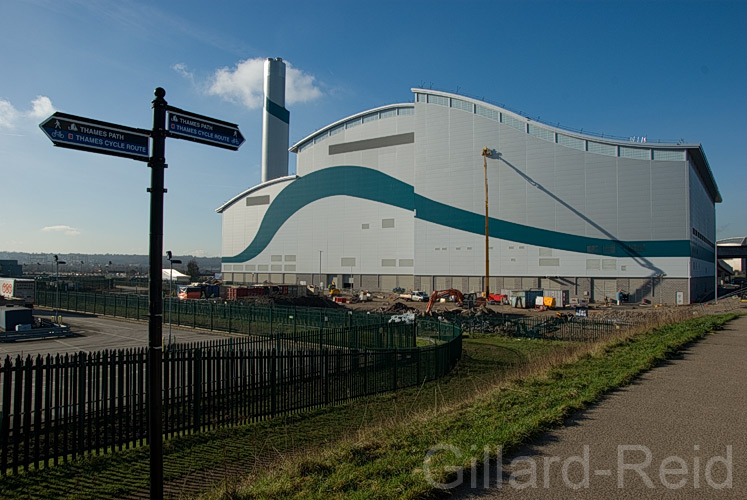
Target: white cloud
[(182, 69), (198, 253), (8, 114), (244, 84), (41, 107), (67, 230), (300, 86)]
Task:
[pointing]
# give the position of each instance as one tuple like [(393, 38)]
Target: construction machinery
[(473, 300), (439, 294)]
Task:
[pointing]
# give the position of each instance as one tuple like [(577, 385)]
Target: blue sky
[(664, 70)]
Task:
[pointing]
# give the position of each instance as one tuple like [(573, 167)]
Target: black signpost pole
[(155, 321), (94, 136)]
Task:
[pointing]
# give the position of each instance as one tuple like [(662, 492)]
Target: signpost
[(95, 136), (76, 132), (198, 128)]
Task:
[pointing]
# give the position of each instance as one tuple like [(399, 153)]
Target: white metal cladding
[(536, 182)]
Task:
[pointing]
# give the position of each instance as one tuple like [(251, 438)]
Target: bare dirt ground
[(391, 303)]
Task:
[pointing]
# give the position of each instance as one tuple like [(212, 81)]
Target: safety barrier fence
[(332, 327), (57, 408)]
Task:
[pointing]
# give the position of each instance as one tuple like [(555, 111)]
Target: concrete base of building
[(656, 290)]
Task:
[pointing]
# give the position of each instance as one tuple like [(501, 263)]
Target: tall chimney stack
[(275, 119)]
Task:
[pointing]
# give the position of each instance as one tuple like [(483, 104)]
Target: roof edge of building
[(252, 189)]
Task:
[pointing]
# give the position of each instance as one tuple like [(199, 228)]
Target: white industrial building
[(395, 197)]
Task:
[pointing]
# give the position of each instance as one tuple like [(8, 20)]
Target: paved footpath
[(679, 431)]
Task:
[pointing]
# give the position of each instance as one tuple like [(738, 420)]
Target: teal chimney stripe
[(277, 111)]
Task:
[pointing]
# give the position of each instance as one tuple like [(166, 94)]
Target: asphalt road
[(680, 431), (96, 333)]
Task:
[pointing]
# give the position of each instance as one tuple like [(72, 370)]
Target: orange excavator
[(458, 298)]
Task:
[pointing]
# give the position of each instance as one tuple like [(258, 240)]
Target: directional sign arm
[(95, 136), (198, 128)]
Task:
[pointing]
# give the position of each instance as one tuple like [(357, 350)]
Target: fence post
[(212, 313), (365, 372), (197, 387), (273, 381), (417, 365), (326, 377), (83, 357), (230, 315), (394, 386)]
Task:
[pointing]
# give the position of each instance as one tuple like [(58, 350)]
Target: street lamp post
[(485, 154), (57, 263), (171, 278)]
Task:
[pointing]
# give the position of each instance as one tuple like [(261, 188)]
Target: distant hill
[(119, 262)]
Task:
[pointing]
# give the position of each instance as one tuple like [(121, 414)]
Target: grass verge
[(193, 463), (387, 461)]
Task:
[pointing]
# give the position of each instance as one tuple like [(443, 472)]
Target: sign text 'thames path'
[(193, 127), (77, 132)]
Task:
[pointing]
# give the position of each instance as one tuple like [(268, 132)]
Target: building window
[(388, 262), (405, 111), (513, 122), (549, 262), (437, 99), (364, 226), (388, 113), (406, 262), (276, 258), (276, 267), (353, 123), (337, 130), (290, 268), (263, 267), (387, 223), (460, 104), (571, 142), (370, 118), (542, 133), (602, 148), (320, 137), (290, 258), (669, 155), (347, 262), (488, 113), (635, 153)]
